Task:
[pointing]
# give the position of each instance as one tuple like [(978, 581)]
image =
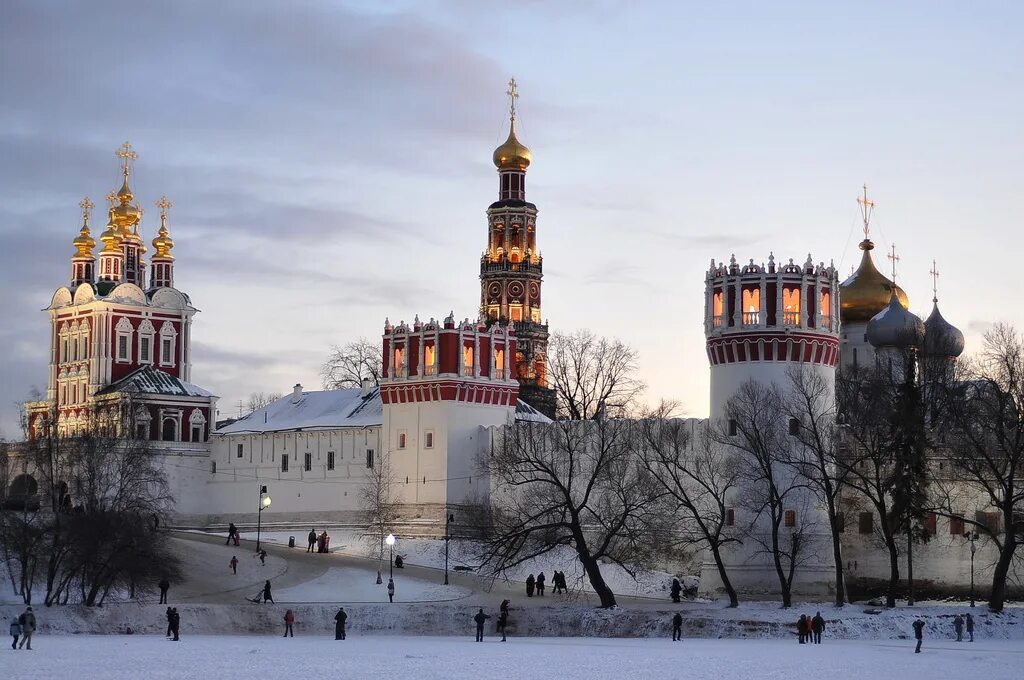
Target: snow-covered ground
[(430, 553), (359, 585), (417, 658)]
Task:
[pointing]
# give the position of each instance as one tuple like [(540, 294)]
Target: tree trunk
[(784, 585), (997, 598), (894, 572), (593, 569), (716, 551), (837, 556)]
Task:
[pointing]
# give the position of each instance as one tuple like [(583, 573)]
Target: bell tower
[(511, 268)]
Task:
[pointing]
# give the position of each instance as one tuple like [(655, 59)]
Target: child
[(234, 564), (15, 632)]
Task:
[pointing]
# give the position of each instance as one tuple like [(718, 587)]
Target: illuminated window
[(515, 312), (396, 365), (429, 356), (718, 308), (499, 360), (826, 304), (535, 315), (751, 305), (467, 359), (791, 306)]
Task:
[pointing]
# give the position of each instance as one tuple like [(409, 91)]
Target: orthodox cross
[(127, 155), (513, 95), (164, 206), (895, 259), (111, 197), (935, 282), (86, 205), (866, 206)]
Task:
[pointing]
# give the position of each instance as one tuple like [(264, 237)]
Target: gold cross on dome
[(513, 95), (127, 155), (86, 205), (866, 207), (164, 206), (935, 281), (895, 259), (111, 197)]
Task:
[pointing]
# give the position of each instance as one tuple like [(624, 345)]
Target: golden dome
[(512, 154), (111, 237), (163, 244), (84, 243), (867, 291)]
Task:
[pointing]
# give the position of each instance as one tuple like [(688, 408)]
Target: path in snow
[(414, 658)]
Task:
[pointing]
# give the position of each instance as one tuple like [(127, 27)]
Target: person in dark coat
[(233, 564), (27, 621), (15, 632), (540, 584), (817, 627), (480, 618), (399, 562), (170, 618), (391, 590), (232, 533), (677, 627), (801, 628), (262, 554), (559, 581), (164, 586), (289, 621), (339, 624), (266, 593), (970, 627), (919, 634), (530, 582), (677, 589), (503, 621), (175, 623), (312, 540), (958, 626)]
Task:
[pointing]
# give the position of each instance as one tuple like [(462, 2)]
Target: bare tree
[(592, 375), (697, 477), (350, 364), (781, 517), (811, 408), (380, 505), (985, 409), (258, 400), (580, 484)]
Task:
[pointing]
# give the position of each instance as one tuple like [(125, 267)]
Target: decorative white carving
[(128, 292), (169, 298), (84, 293), (61, 298)]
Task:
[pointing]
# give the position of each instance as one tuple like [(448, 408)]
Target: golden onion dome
[(163, 244), (111, 237), (867, 291), (126, 215), (84, 243), (512, 154)]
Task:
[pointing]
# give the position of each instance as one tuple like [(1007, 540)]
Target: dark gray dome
[(941, 338), (895, 326)]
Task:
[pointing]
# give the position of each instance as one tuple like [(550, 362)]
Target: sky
[(329, 163)]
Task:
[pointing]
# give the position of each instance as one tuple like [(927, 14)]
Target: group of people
[(23, 627), (480, 618), (810, 628), (537, 583), (173, 623), (322, 543), (232, 534), (959, 623)]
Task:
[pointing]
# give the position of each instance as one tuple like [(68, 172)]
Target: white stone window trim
[(124, 330), (146, 331), (167, 332)]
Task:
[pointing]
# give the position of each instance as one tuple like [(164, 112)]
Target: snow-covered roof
[(150, 380), (320, 410), (527, 413)]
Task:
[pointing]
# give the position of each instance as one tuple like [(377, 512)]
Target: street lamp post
[(390, 540), (447, 537), (972, 536), (264, 504)]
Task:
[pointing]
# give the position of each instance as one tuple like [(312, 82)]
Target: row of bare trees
[(77, 519)]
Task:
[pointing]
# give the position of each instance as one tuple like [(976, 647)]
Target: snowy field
[(359, 585), (416, 658)]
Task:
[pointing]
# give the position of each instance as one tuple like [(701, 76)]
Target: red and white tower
[(512, 270), (112, 341)]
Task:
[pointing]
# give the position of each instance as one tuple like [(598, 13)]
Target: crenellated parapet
[(471, 361), (771, 313)]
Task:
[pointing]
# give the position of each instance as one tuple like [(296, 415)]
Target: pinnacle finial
[(86, 205), (127, 155), (164, 204), (866, 208), (935, 282), (513, 95), (895, 260)]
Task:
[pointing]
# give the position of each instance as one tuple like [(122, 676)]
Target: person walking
[(170, 616), (480, 618), (558, 581), (676, 590), (164, 586), (919, 634), (817, 627), (289, 620), (266, 593), (503, 619), (234, 564), (311, 539), (801, 628), (15, 632), (970, 627), (339, 624), (232, 534), (677, 627), (175, 623), (958, 626), (27, 621), (530, 583), (391, 590), (540, 584), (262, 554)]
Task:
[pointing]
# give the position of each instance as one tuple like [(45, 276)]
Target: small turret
[(163, 260), (83, 262)]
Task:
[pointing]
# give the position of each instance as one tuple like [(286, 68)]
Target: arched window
[(197, 426), (169, 430), (751, 306), (791, 306)]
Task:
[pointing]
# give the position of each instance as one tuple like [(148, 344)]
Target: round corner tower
[(760, 320)]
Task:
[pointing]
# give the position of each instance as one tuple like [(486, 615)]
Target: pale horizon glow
[(330, 163)]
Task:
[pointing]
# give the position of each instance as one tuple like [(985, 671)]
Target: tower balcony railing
[(467, 371), (791, 318), (430, 370), (825, 321), (504, 265), (751, 318), (716, 321)]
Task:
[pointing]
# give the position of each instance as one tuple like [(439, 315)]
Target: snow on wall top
[(527, 413), (320, 410)]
